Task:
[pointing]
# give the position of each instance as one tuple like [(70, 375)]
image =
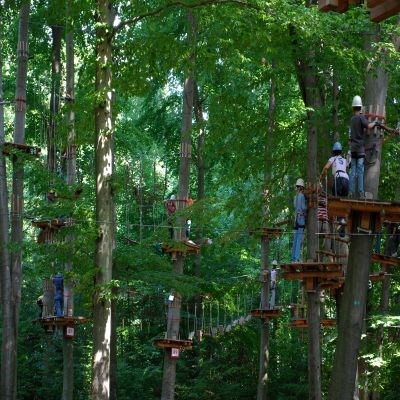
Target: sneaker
[(350, 195)]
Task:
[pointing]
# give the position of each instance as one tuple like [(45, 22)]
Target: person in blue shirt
[(58, 283), (300, 207)]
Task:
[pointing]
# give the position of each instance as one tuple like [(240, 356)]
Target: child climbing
[(358, 126), (171, 208), (300, 208), (340, 185)]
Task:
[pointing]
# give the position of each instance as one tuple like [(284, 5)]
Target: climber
[(300, 208), (339, 165), (58, 283), (358, 125), (171, 208)]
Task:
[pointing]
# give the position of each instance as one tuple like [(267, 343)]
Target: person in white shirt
[(339, 165), (274, 272)]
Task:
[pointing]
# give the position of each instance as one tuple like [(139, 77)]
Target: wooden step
[(173, 343), (265, 312), (386, 260)]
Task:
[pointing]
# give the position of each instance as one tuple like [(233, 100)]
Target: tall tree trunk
[(308, 82), (54, 98), (174, 309), (356, 288), (5, 271), (104, 203), (265, 270), (198, 111), (13, 276), (68, 344)]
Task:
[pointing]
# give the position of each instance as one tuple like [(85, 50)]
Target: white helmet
[(300, 182), (357, 102), (275, 263), (172, 197)]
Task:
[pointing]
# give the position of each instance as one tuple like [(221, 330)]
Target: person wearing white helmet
[(358, 126), (300, 208), (340, 185)]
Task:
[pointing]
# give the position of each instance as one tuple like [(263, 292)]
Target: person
[(300, 208), (39, 303), (340, 185), (188, 227), (323, 221), (58, 283), (358, 125), (274, 273), (171, 208)]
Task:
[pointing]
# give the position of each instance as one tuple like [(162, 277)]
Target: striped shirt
[(322, 209)]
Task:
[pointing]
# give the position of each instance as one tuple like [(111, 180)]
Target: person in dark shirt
[(358, 125)]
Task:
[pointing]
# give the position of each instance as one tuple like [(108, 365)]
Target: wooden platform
[(54, 321), (54, 196), (371, 213), (334, 283), (328, 323), (386, 260), (298, 323), (173, 344), (269, 233), (379, 9), (313, 269), (52, 223), (377, 277), (265, 313), (13, 148), (181, 247)]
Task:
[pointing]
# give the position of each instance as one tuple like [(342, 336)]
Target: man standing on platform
[(300, 208), (358, 125)]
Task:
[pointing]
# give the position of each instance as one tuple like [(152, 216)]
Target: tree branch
[(180, 3)]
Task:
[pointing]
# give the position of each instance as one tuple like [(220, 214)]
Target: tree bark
[(54, 98), (308, 82), (104, 203), (265, 270), (174, 308), (5, 276), (68, 344), (198, 111), (12, 295), (356, 287)]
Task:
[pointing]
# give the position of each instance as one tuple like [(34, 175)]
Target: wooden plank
[(172, 343), (386, 260), (31, 150), (265, 313), (385, 10), (293, 276)]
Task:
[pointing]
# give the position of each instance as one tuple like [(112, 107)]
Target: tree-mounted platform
[(329, 284), (312, 269), (302, 323), (173, 344), (386, 260), (15, 148), (54, 196), (183, 247), (68, 323), (311, 273), (365, 216), (269, 233), (328, 323), (265, 313), (55, 223), (377, 277), (49, 228), (298, 323), (379, 9)]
